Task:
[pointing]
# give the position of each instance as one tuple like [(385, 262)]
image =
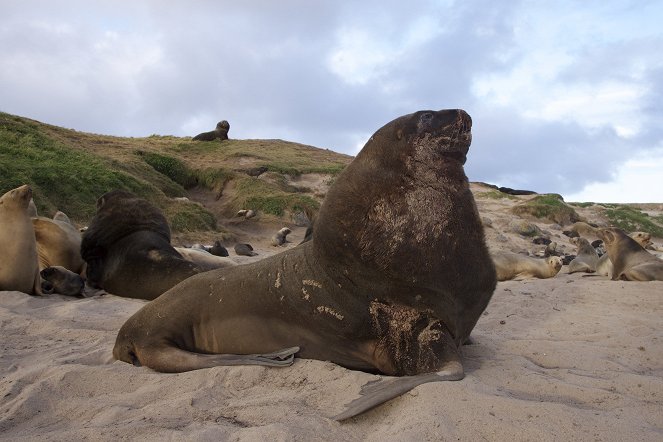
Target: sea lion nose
[(464, 120)]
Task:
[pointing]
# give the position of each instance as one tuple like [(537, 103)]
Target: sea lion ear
[(100, 202)]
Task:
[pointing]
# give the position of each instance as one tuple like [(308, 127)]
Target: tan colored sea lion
[(204, 259), (586, 257), (604, 266), (394, 285), (511, 265), (585, 230), (58, 243), (280, 237), (630, 261), (127, 249), (19, 265)]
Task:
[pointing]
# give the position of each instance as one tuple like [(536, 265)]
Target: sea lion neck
[(405, 195)]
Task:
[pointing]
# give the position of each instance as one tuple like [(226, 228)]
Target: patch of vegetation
[(631, 219), (550, 206), (62, 178), (582, 205), (189, 217), (495, 195), (171, 167), (262, 196)]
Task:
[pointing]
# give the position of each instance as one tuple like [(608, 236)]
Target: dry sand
[(567, 358)]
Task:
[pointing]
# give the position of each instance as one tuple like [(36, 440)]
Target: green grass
[(631, 219), (582, 205), (263, 196), (495, 195), (69, 170), (549, 206), (62, 178)]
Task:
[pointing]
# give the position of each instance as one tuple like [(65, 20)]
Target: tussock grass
[(631, 219), (549, 206)]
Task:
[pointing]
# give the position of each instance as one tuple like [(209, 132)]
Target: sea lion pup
[(630, 261), (586, 257), (515, 266), (127, 249), (58, 279), (218, 249), (244, 249), (280, 237), (19, 263), (58, 243), (220, 133), (394, 286)]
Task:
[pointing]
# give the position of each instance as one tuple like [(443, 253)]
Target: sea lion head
[(223, 125), (555, 263), (17, 198)]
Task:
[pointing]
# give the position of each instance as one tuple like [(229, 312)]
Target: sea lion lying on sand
[(127, 249), (511, 265), (630, 261), (394, 285), (58, 243)]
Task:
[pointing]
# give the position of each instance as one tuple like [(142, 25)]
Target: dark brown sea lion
[(394, 285), (220, 133), (630, 261), (19, 264), (127, 248), (58, 279), (244, 249)]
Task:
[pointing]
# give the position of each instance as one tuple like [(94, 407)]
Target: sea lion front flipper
[(170, 359), (378, 392)]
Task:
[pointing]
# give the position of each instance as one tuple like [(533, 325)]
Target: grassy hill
[(69, 170)]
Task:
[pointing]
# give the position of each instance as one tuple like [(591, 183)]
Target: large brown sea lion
[(511, 265), (127, 249), (19, 265), (630, 261), (395, 285), (586, 257)]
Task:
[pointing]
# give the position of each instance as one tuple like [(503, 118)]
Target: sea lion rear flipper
[(174, 360), (378, 392)]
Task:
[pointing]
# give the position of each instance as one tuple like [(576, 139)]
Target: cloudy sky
[(565, 98)]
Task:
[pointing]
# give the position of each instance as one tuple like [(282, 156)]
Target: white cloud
[(639, 180)]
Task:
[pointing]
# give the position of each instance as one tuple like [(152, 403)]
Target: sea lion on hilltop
[(394, 285), (220, 133), (19, 263), (586, 257), (280, 237), (515, 266), (605, 266), (127, 248), (58, 243)]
